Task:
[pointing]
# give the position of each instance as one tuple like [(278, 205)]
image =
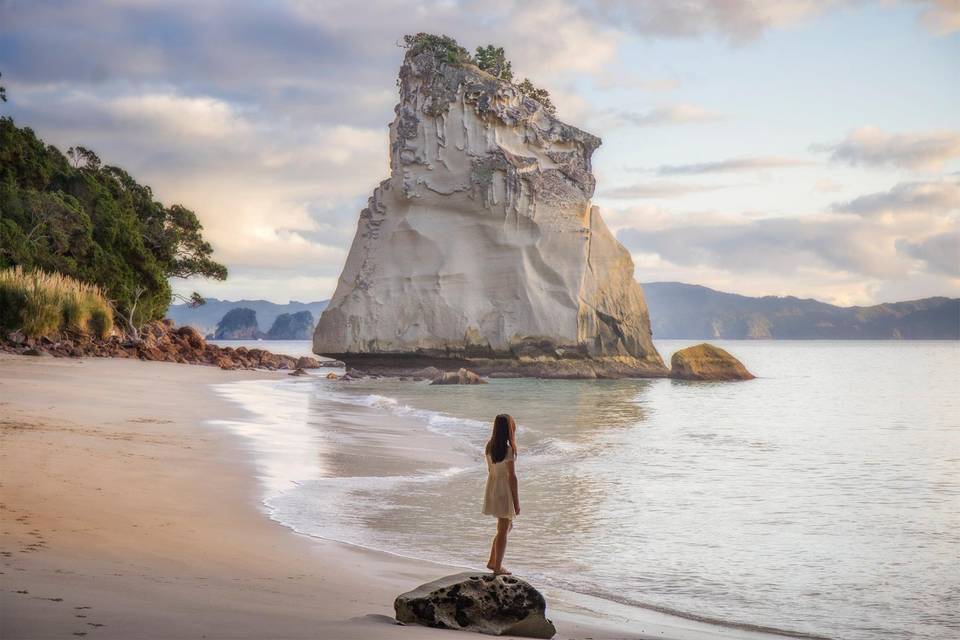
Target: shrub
[(443, 47), (42, 304), (540, 95)]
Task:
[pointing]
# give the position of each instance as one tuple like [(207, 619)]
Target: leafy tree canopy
[(443, 47), (494, 61), (73, 215), (540, 95)]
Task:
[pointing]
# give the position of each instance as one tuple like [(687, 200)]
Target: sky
[(794, 147)]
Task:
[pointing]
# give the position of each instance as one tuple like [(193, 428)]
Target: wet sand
[(126, 515)]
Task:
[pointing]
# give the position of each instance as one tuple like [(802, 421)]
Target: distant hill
[(688, 311), (205, 317)]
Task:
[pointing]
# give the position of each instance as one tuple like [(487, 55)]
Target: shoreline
[(126, 516)]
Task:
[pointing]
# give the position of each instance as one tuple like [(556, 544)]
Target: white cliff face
[(483, 243)]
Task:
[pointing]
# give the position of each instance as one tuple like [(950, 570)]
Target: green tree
[(494, 61), (95, 223), (443, 47), (540, 95)]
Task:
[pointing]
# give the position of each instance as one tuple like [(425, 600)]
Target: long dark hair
[(500, 438)]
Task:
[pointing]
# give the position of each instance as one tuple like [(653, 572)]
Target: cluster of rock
[(159, 341), (485, 603), (482, 249), (241, 324)]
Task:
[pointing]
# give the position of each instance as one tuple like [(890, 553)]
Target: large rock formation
[(238, 324), (495, 605), (707, 362), (292, 326), (482, 249)]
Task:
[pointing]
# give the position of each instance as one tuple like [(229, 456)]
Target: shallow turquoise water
[(823, 497)]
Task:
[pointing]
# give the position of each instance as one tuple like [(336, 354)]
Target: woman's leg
[(493, 554), (499, 545), (500, 542)]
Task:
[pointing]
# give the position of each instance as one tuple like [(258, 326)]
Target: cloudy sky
[(794, 147)]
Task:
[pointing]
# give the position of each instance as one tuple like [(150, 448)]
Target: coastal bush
[(443, 47), (494, 61), (72, 214), (43, 304)]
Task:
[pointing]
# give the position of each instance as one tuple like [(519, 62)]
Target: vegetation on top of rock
[(443, 47), (75, 216), (540, 95), (292, 326), (494, 61), (489, 58), (45, 304), (238, 324)]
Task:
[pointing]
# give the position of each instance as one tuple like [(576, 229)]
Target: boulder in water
[(463, 376), (707, 362), (481, 602)]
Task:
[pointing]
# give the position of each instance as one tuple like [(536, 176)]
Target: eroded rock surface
[(707, 362), (461, 376), (495, 605), (483, 247)]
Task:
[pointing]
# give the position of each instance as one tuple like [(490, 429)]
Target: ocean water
[(821, 498)]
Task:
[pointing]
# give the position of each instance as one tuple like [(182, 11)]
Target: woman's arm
[(514, 488)]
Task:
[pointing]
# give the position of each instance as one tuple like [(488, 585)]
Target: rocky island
[(482, 249)]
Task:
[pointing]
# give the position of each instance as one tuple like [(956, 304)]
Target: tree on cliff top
[(96, 224), (540, 95), (494, 61), (491, 59), (443, 47)]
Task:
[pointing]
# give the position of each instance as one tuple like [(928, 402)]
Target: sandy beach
[(125, 514)]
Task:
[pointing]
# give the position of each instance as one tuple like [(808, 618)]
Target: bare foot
[(501, 572)]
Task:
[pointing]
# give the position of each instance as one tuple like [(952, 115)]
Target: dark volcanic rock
[(707, 362), (495, 605)]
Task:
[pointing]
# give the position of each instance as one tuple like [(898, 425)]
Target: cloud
[(941, 17), (657, 190), (941, 252), (731, 165), (827, 185), (852, 256), (872, 147), (673, 114), (906, 196), (736, 20)]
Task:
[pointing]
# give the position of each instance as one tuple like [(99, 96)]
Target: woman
[(501, 499)]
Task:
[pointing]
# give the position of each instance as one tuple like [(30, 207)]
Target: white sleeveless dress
[(498, 499)]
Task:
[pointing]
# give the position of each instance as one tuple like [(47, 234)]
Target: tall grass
[(42, 304)]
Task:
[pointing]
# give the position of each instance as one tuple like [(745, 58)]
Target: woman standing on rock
[(501, 498)]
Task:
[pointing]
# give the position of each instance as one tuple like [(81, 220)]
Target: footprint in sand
[(79, 608)]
